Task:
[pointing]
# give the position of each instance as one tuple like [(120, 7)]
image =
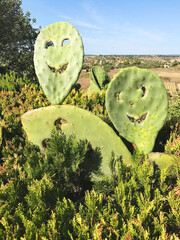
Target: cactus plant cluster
[(136, 99)]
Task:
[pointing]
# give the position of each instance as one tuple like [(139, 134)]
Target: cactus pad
[(163, 160), (99, 79), (58, 59), (39, 123), (137, 104)]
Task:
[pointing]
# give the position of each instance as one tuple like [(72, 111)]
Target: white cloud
[(93, 13), (81, 23), (86, 24), (142, 32)]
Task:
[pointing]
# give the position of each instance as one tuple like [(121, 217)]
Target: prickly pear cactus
[(137, 104), (58, 58), (99, 79), (39, 123), (163, 160)]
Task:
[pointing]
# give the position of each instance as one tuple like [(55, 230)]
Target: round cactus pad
[(137, 104), (39, 123), (58, 59)]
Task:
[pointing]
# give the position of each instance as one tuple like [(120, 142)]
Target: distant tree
[(175, 63), (17, 37)]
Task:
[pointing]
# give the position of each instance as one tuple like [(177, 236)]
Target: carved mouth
[(58, 70), (138, 120)]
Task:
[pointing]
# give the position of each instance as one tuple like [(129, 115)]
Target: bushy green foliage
[(138, 202), (175, 63), (174, 112), (173, 144), (17, 38), (140, 64), (11, 82), (49, 195), (94, 103), (35, 184), (12, 105)]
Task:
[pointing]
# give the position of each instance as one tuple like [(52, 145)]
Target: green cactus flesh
[(58, 59), (137, 104), (39, 123), (163, 160), (93, 88), (99, 79)]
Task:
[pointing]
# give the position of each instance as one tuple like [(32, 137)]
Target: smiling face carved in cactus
[(58, 59), (136, 102)]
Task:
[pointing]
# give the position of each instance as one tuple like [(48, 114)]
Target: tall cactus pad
[(39, 123), (58, 59), (137, 104), (99, 76), (99, 79)]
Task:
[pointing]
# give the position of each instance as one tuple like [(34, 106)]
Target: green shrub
[(94, 103), (12, 105), (35, 184), (173, 144), (137, 202), (49, 195), (175, 63), (174, 112), (11, 82)]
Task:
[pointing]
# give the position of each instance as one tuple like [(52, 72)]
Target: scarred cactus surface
[(39, 124), (137, 104), (58, 59)]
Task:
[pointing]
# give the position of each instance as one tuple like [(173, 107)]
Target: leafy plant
[(173, 144), (174, 112), (17, 38), (138, 201), (11, 82)]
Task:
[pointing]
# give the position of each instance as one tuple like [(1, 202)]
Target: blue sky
[(115, 27)]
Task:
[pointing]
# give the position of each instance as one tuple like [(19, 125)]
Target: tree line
[(17, 38)]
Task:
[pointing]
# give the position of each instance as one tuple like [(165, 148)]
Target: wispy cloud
[(85, 24), (93, 12), (81, 23), (142, 32)]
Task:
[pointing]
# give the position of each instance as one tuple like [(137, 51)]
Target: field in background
[(167, 67)]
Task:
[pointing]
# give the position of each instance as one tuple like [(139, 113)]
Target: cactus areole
[(136, 102), (58, 59)]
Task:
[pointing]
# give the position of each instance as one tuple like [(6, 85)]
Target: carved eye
[(49, 44), (144, 90), (65, 41), (118, 97)]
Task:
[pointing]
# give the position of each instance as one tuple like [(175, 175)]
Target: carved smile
[(58, 70), (138, 120)]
